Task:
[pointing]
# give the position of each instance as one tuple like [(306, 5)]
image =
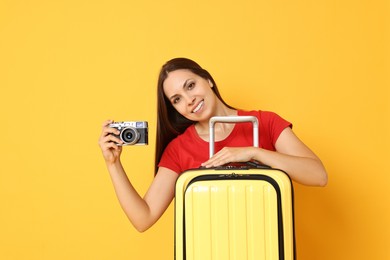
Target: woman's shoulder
[(258, 113), (266, 117)]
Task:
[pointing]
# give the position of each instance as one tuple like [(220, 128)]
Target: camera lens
[(130, 135)]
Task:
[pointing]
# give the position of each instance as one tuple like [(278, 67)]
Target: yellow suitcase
[(235, 212)]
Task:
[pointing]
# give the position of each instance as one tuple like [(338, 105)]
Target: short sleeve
[(274, 124), (170, 157)]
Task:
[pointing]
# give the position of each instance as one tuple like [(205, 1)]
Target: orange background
[(66, 66)]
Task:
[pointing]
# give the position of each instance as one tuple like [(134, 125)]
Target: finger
[(106, 125), (218, 157), (224, 156), (109, 139), (113, 146), (114, 139), (107, 122), (215, 162), (107, 130), (214, 158)]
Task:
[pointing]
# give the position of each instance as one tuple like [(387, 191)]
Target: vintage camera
[(132, 133)]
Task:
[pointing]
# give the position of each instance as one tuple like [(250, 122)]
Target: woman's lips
[(198, 107)]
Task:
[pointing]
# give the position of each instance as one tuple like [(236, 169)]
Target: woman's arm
[(291, 156), (295, 158), (142, 212)]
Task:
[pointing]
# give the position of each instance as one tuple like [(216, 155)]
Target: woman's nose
[(190, 100)]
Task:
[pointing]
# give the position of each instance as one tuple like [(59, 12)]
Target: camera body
[(132, 132)]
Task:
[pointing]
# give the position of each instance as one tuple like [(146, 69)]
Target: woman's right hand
[(109, 143)]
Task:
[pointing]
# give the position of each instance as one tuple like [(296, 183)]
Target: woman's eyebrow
[(173, 97), (184, 85)]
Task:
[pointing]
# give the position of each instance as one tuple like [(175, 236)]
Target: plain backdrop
[(66, 66)]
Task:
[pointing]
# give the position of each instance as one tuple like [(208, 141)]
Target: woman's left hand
[(291, 156), (230, 154)]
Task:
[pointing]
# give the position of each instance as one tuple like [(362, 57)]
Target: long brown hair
[(171, 123)]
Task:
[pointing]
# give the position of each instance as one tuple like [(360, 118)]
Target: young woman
[(187, 98)]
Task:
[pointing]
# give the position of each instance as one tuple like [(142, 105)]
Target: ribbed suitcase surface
[(231, 221), (224, 215)]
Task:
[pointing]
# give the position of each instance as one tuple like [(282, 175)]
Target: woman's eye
[(176, 100), (191, 85)]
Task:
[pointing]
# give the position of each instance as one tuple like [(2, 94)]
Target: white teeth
[(198, 107)]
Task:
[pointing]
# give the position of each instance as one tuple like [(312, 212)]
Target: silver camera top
[(134, 124)]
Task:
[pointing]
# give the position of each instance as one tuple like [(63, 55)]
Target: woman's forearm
[(134, 206), (305, 170)]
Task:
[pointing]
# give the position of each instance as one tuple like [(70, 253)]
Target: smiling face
[(190, 94)]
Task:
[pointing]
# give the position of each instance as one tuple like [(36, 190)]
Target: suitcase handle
[(233, 119)]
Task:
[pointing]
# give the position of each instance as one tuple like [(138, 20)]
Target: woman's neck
[(221, 130)]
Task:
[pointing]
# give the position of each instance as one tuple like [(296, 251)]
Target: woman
[(187, 98)]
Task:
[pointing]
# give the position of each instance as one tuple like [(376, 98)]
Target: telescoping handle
[(233, 119)]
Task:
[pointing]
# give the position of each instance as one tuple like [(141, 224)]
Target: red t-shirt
[(188, 150)]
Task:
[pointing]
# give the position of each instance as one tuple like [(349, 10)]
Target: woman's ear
[(211, 84)]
